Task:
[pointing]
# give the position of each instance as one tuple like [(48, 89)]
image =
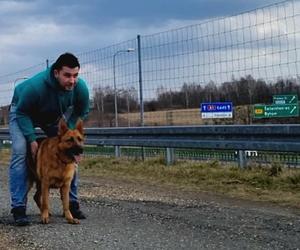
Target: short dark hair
[(66, 59)]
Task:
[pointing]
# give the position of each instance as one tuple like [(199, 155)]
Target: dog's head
[(71, 140)]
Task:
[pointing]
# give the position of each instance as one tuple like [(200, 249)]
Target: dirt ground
[(126, 214)]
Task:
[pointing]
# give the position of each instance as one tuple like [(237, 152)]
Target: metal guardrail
[(278, 138)]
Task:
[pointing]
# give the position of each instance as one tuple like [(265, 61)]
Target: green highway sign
[(285, 99), (270, 111)]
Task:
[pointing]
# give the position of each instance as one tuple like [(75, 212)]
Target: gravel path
[(128, 215)]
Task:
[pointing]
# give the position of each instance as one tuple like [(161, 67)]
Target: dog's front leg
[(64, 192), (45, 202)]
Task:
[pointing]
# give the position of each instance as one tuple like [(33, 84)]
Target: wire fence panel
[(9, 81), (162, 78), (110, 72)]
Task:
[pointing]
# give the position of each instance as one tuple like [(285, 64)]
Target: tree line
[(243, 91)]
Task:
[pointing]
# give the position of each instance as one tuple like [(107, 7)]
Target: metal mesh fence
[(243, 58), (262, 43), (9, 81)]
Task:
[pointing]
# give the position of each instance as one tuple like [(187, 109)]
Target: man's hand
[(34, 147)]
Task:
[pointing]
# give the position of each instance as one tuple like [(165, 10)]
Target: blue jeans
[(18, 176)]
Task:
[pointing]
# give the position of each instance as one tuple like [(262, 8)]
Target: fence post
[(170, 156), (141, 89), (117, 151), (242, 159), (140, 81)]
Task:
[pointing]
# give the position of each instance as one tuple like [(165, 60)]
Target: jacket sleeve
[(81, 105), (26, 105)]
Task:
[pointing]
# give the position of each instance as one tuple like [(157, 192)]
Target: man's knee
[(19, 148)]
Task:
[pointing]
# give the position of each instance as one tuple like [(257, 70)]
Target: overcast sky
[(32, 31)]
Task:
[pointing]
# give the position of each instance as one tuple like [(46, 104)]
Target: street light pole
[(117, 148), (115, 85)]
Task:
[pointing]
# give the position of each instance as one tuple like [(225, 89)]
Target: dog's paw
[(45, 217), (73, 221), (45, 220)]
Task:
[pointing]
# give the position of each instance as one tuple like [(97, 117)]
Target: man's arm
[(27, 104), (34, 148)]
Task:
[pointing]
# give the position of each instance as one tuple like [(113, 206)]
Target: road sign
[(269, 111), (216, 110), (285, 99)]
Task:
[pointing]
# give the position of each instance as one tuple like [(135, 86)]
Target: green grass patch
[(4, 156), (265, 183), (255, 183)]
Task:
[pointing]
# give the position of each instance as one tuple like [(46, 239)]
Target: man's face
[(67, 77)]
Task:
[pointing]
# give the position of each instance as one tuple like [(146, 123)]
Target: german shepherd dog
[(54, 167)]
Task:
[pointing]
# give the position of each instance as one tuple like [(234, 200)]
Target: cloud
[(39, 29), (8, 7), (33, 31)]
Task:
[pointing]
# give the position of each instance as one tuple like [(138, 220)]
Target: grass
[(163, 117), (4, 156), (254, 183), (274, 183)]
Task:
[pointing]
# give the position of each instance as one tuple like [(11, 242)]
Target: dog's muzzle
[(76, 150)]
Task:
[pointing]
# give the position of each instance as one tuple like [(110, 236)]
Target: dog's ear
[(79, 126), (62, 127)]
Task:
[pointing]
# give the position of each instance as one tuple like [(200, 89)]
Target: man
[(40, 102)]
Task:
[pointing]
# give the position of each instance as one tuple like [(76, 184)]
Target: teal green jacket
[(41, 102)]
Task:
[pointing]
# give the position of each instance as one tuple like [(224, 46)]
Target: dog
[(54, 167)]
